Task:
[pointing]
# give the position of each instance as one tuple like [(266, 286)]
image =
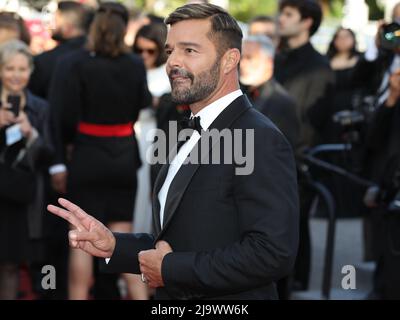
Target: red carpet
[(25, 285)]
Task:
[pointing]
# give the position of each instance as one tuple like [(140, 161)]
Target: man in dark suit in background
[(308, 78), (71, 23), (265, 93), (219, 232)]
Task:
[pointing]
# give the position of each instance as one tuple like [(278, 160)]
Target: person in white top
[(149, 45)]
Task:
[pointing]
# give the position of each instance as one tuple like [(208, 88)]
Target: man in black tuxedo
[(219, 232)]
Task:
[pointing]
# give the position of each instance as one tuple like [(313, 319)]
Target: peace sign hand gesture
[(89, 234)]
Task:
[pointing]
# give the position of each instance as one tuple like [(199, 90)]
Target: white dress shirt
[(207, 115)]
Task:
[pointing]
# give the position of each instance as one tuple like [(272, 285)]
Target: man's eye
[(189, 50), (168, 52)]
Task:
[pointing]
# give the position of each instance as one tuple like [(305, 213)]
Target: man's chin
[(180, 98)]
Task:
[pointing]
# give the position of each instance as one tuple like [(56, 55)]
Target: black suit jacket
[(233, 236), (46, 62), (308, 78), (272, 100)]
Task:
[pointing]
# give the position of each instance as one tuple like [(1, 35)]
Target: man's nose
[(175, 60)]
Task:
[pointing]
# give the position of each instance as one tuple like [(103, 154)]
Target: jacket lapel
[(183, 177)]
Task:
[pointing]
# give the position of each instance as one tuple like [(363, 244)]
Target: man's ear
[(308, 22), (231, 60)]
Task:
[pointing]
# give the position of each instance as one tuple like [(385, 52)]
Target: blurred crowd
[(74, 122)]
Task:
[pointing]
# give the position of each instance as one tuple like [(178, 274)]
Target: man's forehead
[(189, 31), (290, 8), (191, 28)]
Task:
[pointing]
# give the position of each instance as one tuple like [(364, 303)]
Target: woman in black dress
[(21, 161), (105, 90), (343, 56)]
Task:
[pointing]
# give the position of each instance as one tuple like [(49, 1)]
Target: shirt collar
[(209, 113)]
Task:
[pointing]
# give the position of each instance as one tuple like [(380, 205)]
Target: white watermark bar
[(237, 147)]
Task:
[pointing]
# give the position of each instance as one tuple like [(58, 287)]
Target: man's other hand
[(151, 261)]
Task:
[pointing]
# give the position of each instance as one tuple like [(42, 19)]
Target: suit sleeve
[(37, 82), (320, 109), (267, 206), (125, 256)]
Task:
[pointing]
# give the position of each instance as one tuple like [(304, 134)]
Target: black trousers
[(302, 267), (391, 257)]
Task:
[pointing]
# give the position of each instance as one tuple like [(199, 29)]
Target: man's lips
[(179, 79)]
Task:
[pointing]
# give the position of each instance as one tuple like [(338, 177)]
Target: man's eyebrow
[(184, 44), (189, 44)]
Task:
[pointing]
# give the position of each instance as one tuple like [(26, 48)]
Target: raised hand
[(89, 234)]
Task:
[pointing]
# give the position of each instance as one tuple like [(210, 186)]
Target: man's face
[(290, 22), (256, 67), (264, 28), (193, 65)]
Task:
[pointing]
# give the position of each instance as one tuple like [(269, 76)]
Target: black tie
[(191, 123)]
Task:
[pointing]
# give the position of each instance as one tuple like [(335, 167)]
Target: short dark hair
[(107, 31), (225, 32), (154, 18), (157, 33), (79, 11), (308, 9)]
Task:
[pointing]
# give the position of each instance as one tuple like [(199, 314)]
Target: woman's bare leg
[(8, 281), (80, 274)]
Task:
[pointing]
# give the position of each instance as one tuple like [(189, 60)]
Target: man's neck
[(74, 35), (227, 87), (298, 41)]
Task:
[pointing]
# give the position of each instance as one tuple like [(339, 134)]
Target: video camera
[(390, 36)]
